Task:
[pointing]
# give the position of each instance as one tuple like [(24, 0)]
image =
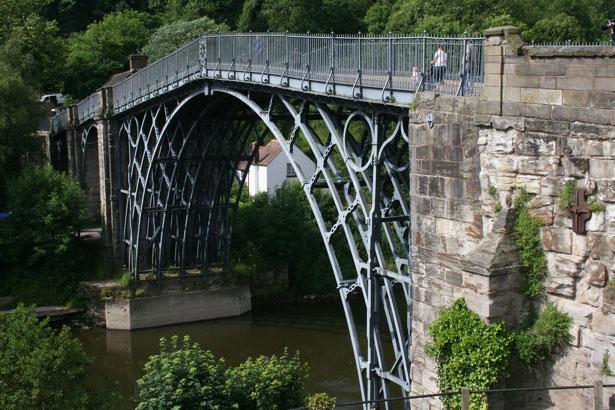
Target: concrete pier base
[(177, 307)]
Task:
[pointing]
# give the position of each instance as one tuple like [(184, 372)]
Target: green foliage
[(320, 401), (224, 11), (492, 190), (606, 370), (251, 18), (498, 207), (39, 243), (174, 35), (267, 382), (611, 284), (19, 116), (558, 28), (596, 205), (185, 376), (40, 368), (103, 49), (566, 198), (468, 352), (378, 15), (263, 243), (548, 331), (526, 234), (181, 377)]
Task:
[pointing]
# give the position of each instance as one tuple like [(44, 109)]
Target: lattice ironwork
[(184, 162)]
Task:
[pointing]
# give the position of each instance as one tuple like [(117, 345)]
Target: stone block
[(576, 98), (551, 127), (501, 142), (599, 99), (505, 123), (604, 84), (520, 81), (535, 110), (579, 245), (605, 71), (489, 107), (557, 239), (595, 273), (566, 113), (541, 96), (583, 71), (603, 323), (580, 314), (606, 190), (532, 143), (545, 69), (545, 214), (574, 166), (575, 83), (530, 182), (596, 222), (602, 168)]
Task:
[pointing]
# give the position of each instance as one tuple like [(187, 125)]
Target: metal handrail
[(384, 61)]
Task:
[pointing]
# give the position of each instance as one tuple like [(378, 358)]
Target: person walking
[(439, 62)]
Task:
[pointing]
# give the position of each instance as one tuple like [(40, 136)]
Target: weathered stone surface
[(602, 168), (603, 323), (557, 239), (580, 314), (540, 96), (595, 273)]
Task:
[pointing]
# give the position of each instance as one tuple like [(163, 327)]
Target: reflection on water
[(317, 330)]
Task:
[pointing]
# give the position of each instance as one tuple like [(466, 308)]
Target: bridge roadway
[(162, 153)]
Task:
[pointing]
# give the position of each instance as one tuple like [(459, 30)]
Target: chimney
[(137, 61)]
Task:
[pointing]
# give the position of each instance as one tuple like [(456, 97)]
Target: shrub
[(181, 376), (187, 377), (468, 352), (548, 331), (39, 242), (267, 382), (526, 234), (320, 401), (596, 206), (39, 368)]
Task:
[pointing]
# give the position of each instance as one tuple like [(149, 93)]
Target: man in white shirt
[(439, 61)]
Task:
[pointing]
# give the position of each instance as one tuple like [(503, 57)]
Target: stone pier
[(546, 115)]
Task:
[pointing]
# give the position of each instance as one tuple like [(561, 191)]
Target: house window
[(290, 171)]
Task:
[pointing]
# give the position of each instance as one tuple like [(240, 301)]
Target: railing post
[(465, 398), (423, 51), (598, 394)]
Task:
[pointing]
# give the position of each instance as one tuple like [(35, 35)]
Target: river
[(317, 329)]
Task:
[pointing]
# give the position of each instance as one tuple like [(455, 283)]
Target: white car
[(55, 99)]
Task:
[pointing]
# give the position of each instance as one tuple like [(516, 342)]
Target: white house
[(271, 168)]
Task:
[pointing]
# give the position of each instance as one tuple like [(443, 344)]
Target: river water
[(317, 329)]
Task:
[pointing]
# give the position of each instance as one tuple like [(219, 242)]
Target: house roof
[(267, 153), (116, 78)]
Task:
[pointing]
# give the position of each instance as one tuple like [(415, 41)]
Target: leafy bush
[(320, 401), (526, 234), (185, 376), (596, 206), (267, 383), (39, 241), (548, 331), (468, 352), (39, 368), (556, 28), (174, 35), (181, 376)]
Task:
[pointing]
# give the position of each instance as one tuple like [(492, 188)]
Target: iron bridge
[(175, 141)]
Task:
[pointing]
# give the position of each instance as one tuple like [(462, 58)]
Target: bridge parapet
[(383, 69)]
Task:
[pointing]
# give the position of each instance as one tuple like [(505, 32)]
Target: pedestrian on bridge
[(439, 62)]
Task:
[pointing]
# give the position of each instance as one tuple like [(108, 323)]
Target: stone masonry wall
[(545, 116)]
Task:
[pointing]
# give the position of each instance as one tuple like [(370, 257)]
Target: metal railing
[(345, 65), (90, 106), (60, 121)]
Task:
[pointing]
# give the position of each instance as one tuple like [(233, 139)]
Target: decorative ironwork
[(184, 162)]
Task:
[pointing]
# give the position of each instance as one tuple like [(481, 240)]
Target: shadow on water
[(318, 330)]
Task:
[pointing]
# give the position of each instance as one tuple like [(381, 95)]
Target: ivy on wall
[(526, 234)]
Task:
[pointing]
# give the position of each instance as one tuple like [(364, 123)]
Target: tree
[(378, 15), (39, 368), (35, 50), (174, 35), (558, 28), (223, 11), (103, 49), (19, 115), (251, 18), (39, 241), (182, 376), (13, 13)]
